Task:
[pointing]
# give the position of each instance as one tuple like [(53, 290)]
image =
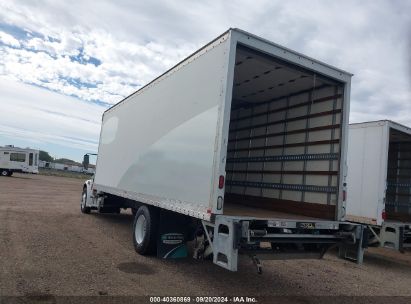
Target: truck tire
[(145, 230), (83, 207), (10, 173), (4, 172)]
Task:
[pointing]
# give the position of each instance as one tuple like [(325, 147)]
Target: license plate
[(306, 225)]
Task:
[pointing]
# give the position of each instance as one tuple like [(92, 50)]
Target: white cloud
[(122, 68), (69, 47), (9, 39)]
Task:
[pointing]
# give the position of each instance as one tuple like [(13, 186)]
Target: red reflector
[(221, 182), (208, 210), (344, 196), (384, 215)]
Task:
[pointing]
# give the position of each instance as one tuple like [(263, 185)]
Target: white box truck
[(241, 147), (13, 159), (379, 182)]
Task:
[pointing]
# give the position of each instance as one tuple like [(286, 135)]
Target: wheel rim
[(140, 230), (83, 200), (4, 173)]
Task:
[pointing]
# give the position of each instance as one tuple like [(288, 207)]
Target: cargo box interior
[(398, 194), (284, 140)]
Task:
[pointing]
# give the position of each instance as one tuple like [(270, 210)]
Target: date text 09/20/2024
[(238, 299)]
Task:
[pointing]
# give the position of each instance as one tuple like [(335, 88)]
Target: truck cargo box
[(379, 172), (379, 181), (245, 142), (241, 125)]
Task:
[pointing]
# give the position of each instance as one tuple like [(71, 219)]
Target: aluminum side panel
[(161, 141)]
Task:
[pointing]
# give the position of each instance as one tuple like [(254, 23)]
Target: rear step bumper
[(275, 239)]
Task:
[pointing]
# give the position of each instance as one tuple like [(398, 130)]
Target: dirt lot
[(47, 247)]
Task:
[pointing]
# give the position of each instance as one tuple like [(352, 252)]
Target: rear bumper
[(391, 234), (278, 238), (395, 235)]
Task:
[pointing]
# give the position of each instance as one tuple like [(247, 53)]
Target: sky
[(63, 63)]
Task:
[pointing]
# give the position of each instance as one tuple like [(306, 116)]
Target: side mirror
[(86, 161)]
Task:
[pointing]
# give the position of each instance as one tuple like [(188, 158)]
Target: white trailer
[(13, 159), (379, 182), (241, 146)]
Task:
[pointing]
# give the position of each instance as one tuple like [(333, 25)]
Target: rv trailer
[(240, 147), (13, 159)]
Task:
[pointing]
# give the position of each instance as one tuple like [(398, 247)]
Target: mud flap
[(172, 235)]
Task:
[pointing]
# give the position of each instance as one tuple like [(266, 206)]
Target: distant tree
[(45, 156), (67, 161)]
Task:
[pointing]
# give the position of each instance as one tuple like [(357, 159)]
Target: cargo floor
[(241, 210)]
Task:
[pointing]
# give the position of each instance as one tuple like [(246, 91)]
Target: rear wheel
[(83, 207), (145, 230), (10, 173), (4, 172)]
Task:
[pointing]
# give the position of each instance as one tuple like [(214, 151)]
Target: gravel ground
[(48, 248)]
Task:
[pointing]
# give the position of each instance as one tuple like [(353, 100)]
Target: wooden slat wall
[(398, 195), (305, 127)]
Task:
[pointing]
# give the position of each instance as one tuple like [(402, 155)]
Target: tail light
[(384, 215), (221, 182), (344, 195)]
